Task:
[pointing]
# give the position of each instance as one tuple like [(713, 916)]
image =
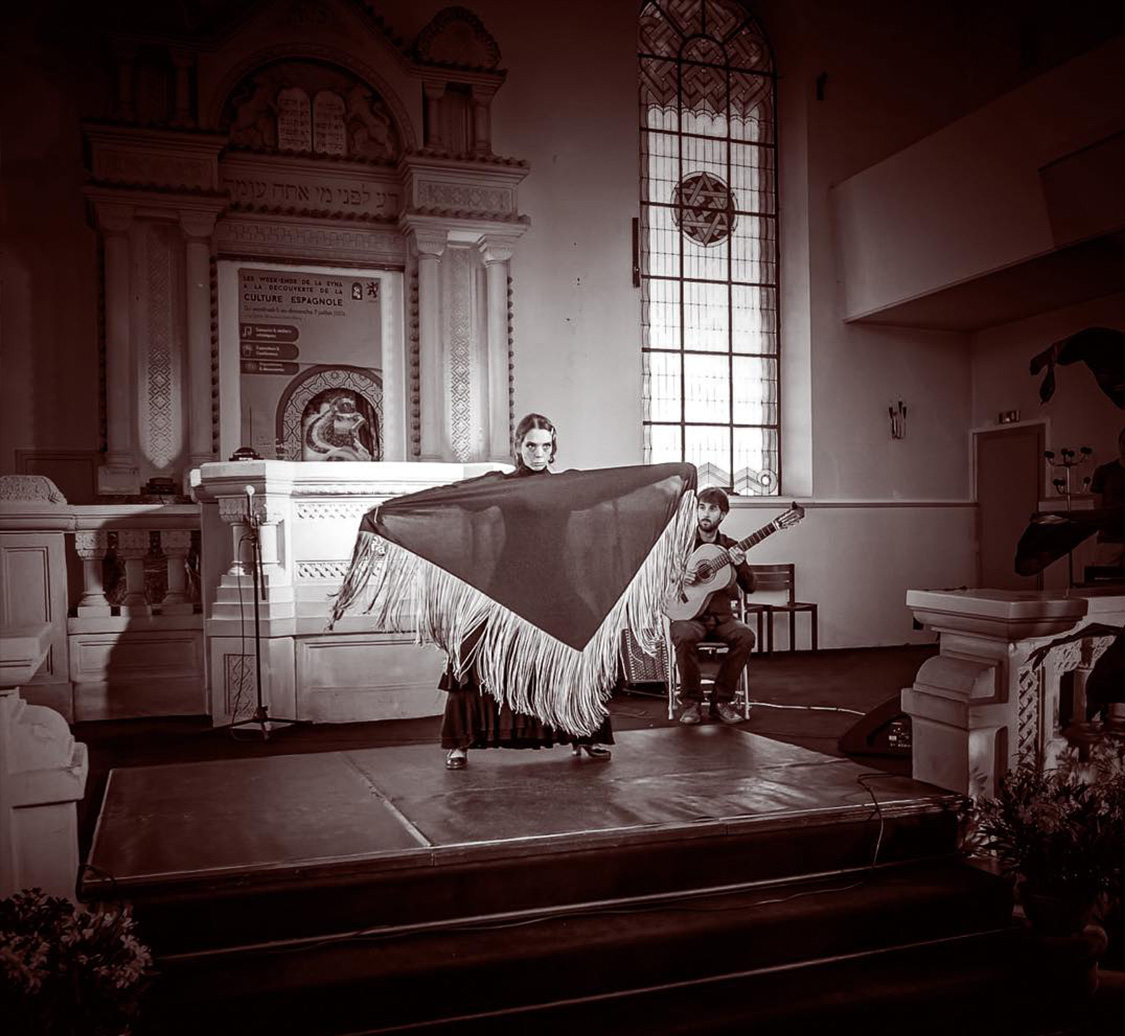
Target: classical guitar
[(714, 571)]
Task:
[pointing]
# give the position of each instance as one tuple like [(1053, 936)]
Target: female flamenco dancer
[(475, 719)]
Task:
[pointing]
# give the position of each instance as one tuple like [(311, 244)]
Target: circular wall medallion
[(704, 208)]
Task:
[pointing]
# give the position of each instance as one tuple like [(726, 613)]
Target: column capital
[(433, 89), (267, 510), (132, 544), (429, 241), (197, 225), (113, 217), (175, 542), (484, 92), (496, 248), (90, 545)]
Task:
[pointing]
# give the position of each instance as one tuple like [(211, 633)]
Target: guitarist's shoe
[(690, 716), (457, 759), (727, 712)]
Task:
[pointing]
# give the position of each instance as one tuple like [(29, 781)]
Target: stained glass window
[(708, 248)]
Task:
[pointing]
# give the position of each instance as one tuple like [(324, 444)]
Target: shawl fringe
[(516, 662)]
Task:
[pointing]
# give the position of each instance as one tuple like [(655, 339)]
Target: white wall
[(856, 560), (972, 192), (1080, 414)]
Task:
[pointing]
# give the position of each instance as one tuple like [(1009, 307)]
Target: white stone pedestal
[(42, 776), (307, 516), (978, 706)]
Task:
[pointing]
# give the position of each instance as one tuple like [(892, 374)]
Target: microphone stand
[(261, 715)]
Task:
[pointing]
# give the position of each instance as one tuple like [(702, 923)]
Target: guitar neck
[(750, 541)]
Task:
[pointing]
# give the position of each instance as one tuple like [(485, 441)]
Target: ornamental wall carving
[(344, 189), (149, 157), (465, 197), (331, 510), (321, 571), (306, 107), (293, 238)]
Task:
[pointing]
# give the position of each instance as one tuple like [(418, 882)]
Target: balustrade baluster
[(132, 548), (176, 544), (92, 548)]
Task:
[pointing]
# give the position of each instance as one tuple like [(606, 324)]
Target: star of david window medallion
[(704, 208)]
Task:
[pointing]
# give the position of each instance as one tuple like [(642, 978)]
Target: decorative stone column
[(176, 545), (433, 91), (198, 228), (482, 117), (133, 548), (184, 62), (496, 252), (978, 707), (430, 244), (92, 548), (119, 474), (465, 213)]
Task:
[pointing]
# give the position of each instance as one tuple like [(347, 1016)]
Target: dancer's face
[(535, 450)]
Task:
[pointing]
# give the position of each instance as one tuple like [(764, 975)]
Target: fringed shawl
[(550, 569)]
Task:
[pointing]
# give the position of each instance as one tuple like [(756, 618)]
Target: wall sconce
[(898, 420)]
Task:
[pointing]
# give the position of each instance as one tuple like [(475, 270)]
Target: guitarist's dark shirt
[(718, 607)]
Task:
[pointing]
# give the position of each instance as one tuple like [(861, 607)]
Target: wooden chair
[(780, 579), (709, 648)]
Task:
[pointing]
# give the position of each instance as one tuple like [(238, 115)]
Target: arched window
[(708, 243)]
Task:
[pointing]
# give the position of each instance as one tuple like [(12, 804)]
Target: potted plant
[(1061, 833), (64, 970)]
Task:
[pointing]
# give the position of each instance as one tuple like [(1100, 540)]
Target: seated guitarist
[(715, 622)]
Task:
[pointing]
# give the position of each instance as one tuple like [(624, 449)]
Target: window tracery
[(709, 242)]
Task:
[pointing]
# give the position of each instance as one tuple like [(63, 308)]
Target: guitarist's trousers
[(686, 636)]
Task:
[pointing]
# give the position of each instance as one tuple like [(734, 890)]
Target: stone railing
[(150, 554), (991, 698), (135, 629)]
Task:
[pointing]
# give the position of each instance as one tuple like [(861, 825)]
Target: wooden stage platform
[(247, 820), (354, 877)]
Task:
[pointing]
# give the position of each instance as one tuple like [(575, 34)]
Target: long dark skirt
[(474, 719)]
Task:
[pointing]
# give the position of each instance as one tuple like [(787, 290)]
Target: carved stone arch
[(457, 38), (244, 69), (318, 383)]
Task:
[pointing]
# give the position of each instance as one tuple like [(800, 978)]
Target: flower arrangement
[(64, 970), (1061, 831)]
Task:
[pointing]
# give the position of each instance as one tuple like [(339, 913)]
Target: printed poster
[(311, 364)]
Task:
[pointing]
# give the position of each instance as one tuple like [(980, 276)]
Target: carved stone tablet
[(294, 125), (330, 134)]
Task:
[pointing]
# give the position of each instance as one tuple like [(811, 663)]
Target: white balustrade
[(136, 650)]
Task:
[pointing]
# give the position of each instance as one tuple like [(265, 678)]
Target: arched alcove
[(332, 413)]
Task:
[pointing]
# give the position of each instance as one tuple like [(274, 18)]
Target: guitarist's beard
[(708, 529)]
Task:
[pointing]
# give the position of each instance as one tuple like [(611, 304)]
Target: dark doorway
[(1009, 486)]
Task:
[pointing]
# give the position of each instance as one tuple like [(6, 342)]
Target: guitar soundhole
[(704, 572)]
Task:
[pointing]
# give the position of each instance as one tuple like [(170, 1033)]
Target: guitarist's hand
[(691, 577), (736, 555)]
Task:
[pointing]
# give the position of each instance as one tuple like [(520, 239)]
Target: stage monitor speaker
[(885, 730)]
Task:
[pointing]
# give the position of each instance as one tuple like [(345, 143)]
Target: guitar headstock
[(791, 517)]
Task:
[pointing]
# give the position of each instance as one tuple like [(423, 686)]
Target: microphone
[(249, 490)]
